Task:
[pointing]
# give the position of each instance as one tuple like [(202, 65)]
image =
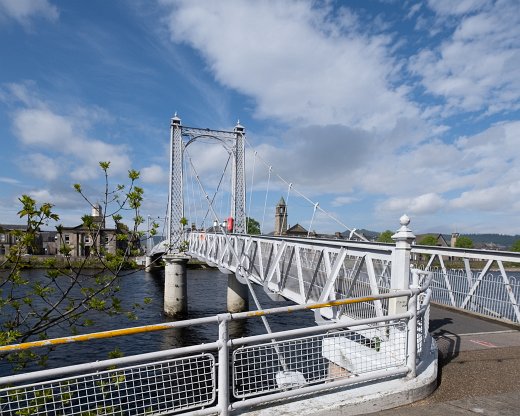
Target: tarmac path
[(479, 368)]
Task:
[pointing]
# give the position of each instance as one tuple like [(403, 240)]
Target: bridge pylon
[(180, 138)]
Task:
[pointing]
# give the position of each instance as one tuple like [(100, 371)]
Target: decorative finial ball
[(404, 220)]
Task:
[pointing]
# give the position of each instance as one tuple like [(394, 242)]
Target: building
[(280, 218), (453, 240), (440, 240), (83, 241), (78, 241), (8, 237), (281, 227), (297, 231)]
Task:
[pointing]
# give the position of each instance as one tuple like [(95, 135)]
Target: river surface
[(207, 289), (206, 297)]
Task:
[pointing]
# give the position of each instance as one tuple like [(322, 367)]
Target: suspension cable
[(188, 204), (265, 202), (312, 219), (194, 202), (251, 191), (284, 217), (218, 186), (235, 254), (312, 203)]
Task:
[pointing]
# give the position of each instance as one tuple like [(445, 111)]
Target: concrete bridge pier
[(175, 285), (148, 263), (237, 295)]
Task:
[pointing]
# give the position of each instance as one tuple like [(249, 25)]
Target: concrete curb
[(358, 400)]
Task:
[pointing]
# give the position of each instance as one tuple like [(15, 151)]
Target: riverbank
[(44, 262), (60, 262)]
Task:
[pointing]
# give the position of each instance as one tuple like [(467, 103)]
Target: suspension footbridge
[(371, 303)]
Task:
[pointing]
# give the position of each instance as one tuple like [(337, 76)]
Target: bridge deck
[(479, 368)]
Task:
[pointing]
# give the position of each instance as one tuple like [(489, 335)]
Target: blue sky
[(370, 108)]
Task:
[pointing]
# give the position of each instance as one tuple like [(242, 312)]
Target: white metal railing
[(309, 270), (304, 270), (488, 283), (156, 387), (228, 374)]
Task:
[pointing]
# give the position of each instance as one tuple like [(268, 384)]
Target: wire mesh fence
[(270, 365), (294, 363), (154, 388)]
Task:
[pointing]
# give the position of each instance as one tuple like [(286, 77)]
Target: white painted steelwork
[(308, 270), (304, 270), (488, 283), (202, 379), (234, 143)]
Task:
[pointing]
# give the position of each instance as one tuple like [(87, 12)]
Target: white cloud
[(42, 166), (44, 130), (487, 199), (154, 174), (47, 195), (24, 10), (423, 204), (450, 7), (343, 200), (10, 181), (41, 127), (298, 62), (476, 69)]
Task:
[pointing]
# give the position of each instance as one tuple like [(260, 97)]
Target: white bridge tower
[(180, 138)]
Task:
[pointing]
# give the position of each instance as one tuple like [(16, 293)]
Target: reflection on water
[(207, 290)]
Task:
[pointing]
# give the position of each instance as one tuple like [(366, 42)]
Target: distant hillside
[(503, 240), (498, 239), (367, 233)]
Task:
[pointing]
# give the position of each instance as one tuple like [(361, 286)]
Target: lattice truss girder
[(307, 271), (303, 271), (483, 285)]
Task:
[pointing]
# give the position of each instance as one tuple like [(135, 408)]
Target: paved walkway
[(479, 368)]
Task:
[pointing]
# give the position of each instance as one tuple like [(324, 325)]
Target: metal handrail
[(198, 321), (222, 348)]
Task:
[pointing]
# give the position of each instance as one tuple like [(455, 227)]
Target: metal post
[(238, 203), (400, 277), (176, 197), (223, 365), (411, 358)]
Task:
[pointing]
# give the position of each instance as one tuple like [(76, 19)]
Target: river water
[(206, 297), (207, 290)]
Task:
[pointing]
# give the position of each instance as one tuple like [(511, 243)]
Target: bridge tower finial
[(176, 120), (239, 128)]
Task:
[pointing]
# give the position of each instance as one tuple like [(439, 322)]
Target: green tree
[(69, 291), (253, 226), (428, 240), (516, 246), (385, 237), (464, 242)]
